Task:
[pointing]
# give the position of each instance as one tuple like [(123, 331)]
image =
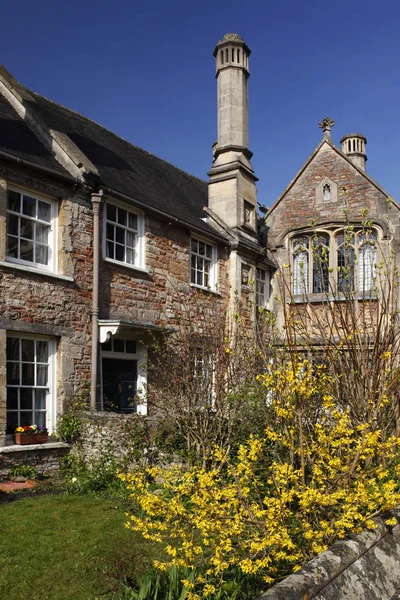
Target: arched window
[(345, 261), (320, 258), (342, 260), (366, 261), (326, 192), (300, 265)]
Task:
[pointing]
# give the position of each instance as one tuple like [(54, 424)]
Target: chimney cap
[(232, 38), (351, 135)]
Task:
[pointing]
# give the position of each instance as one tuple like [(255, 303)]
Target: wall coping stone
[(359, 565), (32, 447)]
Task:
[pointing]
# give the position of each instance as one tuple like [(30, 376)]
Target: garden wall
[(45, 458), (365, 566)]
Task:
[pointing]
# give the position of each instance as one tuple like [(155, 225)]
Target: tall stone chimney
[(353, 145), (232, 190)]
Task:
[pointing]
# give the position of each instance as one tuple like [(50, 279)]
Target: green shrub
[(69, 428), (23, 471), (97, 476)]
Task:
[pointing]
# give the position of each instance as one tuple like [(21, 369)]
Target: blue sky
[(145, 70)]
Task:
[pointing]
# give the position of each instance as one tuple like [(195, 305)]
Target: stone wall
[(361, 567), (45, 458)]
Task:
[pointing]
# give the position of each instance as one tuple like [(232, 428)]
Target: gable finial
[(326, 125)]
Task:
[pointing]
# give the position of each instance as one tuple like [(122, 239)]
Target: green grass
[(61, 547)]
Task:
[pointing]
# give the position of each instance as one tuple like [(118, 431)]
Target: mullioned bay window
[(342, 259)]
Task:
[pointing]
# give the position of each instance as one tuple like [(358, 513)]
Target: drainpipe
[(96, 199)]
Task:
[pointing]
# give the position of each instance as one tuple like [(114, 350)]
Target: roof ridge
[(116, 135)]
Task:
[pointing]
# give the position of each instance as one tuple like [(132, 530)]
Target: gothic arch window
[(326, 192), (341, 261)]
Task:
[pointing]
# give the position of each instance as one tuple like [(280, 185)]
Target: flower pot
[(30, 438)]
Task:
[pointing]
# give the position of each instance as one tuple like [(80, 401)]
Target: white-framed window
[(123, 375), (31, 230), (261, 290), (30, 381), (344, 259), (123, 234), (203, 263)]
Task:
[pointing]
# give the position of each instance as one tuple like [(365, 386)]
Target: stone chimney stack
[(232, 191), (232, 63), (353, 145)]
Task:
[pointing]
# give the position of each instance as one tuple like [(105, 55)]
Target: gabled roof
[(116, 163), (330, 143)]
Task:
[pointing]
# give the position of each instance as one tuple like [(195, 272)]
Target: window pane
[(208, 251), (202, 248), (14, 201), (26, 399), (26, 229), (132, 221), (42, 352), (130, 256), (39, 418), (131, 346), (130, 239), (12, 399), (192, 276), (28, 350), (42, 254), (120, 235), (119, 345), (13, 373), (110, 232), (27, 418), (120, 252), (110, 250), (12, 422), (111, 212), (12, 247), (44, 211), (106, 347), (194, 245), (29, 206), (41, 375), (40, 400), (28, 374), (122, 215), (42, 234), (12, 224), (12, 348), (26, 251)]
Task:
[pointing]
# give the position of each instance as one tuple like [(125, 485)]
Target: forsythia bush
[(283, 499)]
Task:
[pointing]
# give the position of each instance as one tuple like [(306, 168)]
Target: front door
[(119, 384)]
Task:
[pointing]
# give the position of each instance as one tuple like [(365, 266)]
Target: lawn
[(65, 547)]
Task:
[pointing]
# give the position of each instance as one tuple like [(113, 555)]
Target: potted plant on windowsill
[(31, 434)]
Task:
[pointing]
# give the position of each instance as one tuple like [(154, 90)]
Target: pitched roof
[(128, 169), (119, 165), (17, 139), (308, 161)]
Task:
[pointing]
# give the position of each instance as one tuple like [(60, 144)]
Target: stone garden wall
[(45, 458), (365, 566)]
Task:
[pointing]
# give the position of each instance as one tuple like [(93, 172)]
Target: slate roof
[(127, 169), (17, 138)]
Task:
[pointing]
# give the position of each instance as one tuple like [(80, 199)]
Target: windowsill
[(127, 265), (10, 447), (205, 289), (35, 271), (323, 298)]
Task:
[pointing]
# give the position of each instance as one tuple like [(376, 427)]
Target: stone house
[(102, 243)]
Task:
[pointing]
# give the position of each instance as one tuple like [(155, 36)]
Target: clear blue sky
[(144, 69)]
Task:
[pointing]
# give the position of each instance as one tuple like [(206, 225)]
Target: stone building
[(323, 212), (102, 243)]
